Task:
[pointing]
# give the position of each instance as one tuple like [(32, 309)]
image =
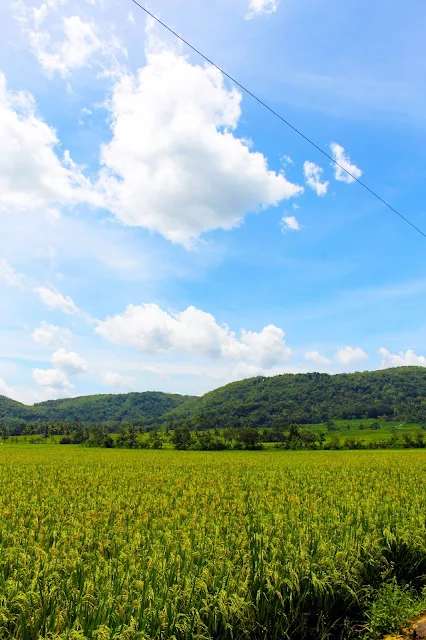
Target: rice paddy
[(121, 544)]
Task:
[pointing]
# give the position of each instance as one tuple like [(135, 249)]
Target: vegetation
[(132, 545), (145, 408), (335, 435), (309, 398), (312, 398), (266, 403)]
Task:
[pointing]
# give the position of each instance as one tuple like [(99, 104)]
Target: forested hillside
[(309, 398), (148, 408)]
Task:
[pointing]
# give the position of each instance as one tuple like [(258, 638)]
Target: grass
[(340, 427), (132, 545)]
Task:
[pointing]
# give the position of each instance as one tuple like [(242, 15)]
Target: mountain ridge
[(147, 406), (397, 393)]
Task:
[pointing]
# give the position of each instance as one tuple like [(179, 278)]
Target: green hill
[(10, 409), (148, 407), (309, 398)]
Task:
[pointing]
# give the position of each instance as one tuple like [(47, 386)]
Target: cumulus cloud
[(51, 378), (174, 164), (62, 44), (343, 159), (290, 223), (69, 361), (312, 173), (316, 357), (31, 174), (192, 332), (407, 359), (49, 335), (349, 355), (266, 347), (5, 390), (53, 299), (258, 7), (74, 51), (9, 276), (116, 380)]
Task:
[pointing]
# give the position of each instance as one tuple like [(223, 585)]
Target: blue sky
[(162, 231)]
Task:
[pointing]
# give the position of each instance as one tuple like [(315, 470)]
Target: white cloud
[(116, 380), (257, 7), (192, 332), (51, 378), (173, 164), (407, 359), (5, 390), (77, 48), (31, 175), (48, 335), (54, 299), (64, 43), (348, 355), (244, 370), (27, 396), (9, 276), (52, 393), (266, 347), (312, 174), (316, 357), (290, 223), (69, 361), (344, 161)]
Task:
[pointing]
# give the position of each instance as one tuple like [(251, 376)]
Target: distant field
[(125, 544), (367, 434)]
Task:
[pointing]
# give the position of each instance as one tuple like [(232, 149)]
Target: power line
[(302, 135)]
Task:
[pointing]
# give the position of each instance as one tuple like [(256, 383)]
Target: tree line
[(292, 437)]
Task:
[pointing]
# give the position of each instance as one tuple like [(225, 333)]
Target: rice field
[(122, 544)]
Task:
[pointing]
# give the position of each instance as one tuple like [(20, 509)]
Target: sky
[(161, 230)]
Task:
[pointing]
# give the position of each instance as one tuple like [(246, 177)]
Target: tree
[(155, 440), (181, 438), (128, 437), (248, 438), (4, 431), (334, 442), (420, 439), (308, 438), (293, 432)]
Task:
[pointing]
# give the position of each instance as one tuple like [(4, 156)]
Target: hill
[(148, 408), (10, 409), (309, 398)]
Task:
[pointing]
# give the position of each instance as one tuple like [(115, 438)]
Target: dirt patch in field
[(415, 631)]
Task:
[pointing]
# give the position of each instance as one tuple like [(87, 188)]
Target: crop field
[(143, 544)]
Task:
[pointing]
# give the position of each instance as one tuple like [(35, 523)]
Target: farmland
[(165, 544)]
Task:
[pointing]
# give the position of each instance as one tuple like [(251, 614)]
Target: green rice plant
[(183, 545)]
